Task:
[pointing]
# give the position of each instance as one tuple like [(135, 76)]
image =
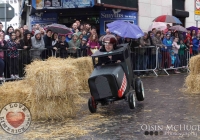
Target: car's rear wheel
[(92, 105)]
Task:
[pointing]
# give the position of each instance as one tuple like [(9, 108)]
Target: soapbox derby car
[(114, 81)]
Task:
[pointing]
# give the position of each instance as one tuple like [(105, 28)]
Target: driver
[(109, 44)]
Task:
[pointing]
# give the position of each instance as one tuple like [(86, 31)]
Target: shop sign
[(43, 19), (116, 14), (57, 4)]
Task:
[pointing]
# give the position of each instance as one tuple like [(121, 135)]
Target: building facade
[(141, 12)]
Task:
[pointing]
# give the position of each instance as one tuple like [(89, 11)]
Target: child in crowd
[(175, 48), (83, 47), (182, 54), (173, 58)]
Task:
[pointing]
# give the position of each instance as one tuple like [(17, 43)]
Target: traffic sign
[(197, 12), (10, 12)]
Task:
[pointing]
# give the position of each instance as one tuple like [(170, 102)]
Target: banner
[(43, 19), (112, 15), (56, 4)]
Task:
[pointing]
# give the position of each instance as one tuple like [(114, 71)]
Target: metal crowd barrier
[(13, 68), (145, 59), (175, 61), (152, 58)]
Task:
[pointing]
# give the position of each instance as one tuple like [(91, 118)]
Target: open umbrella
[(59, 28), (168, 19), (158, 25), (178, 28), (125, 29), (192, 28)]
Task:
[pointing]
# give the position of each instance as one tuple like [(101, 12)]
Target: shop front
[(87, 11)]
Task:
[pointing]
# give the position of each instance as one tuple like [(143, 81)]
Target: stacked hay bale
[(192, 81), (85, 68), (50, 89)]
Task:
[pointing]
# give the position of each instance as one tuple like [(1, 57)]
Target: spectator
[(158, 43), (165, 51), (188, 43), (37, 27), (83, 47), (18, 34), (63, 46), (68, 38), (133, 43), (37, 44), (181, 53), (26, 45), (25, 27), (13, 55), (2, 62), (108, 31), (74, 44), (81, 28), (42, 31), (9, 30), (154, 31), (55, 41), (75, 28), (22, 31), (193, 34), (48, 44), (195, 43), (80, 37), (93, 43), (175, 48), (1, 28), (78, 24), (84, 32), (140, 55), (119, 39)]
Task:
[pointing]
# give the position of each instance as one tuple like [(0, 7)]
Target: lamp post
[(5, 20)]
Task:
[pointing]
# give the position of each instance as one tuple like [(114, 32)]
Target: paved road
[(166, 114)]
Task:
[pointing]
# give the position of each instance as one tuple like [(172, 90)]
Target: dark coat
[(63, 47), (48, 42)]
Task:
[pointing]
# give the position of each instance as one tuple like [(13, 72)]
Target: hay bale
[(54, 108), (192, 83), (194, 64), (17, 91), (50, 89), (52, 78), (85, 68)]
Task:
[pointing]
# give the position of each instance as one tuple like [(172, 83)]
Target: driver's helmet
[(109, 39)]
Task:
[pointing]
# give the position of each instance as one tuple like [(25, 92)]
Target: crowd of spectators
[(18, 47)]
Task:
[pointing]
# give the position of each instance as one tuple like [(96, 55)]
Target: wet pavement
[(167, 113)]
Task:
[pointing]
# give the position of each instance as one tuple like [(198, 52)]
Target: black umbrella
[(59, 28)]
